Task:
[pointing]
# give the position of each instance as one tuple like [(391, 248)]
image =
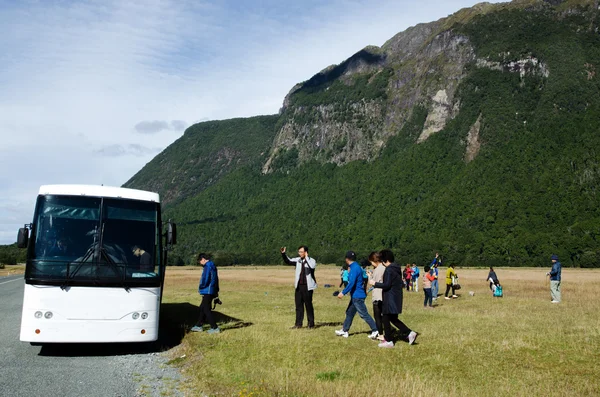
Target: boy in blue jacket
[(209, 289), (357, 299)]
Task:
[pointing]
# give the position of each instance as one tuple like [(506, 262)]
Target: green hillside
[(205, 153), (530, 191)]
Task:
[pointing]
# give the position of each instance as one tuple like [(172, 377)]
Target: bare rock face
[(473, 143), (415, 67)]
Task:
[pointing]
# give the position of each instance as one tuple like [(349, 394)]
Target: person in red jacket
[(408, 276)]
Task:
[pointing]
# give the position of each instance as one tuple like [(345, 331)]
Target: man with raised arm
[(305, 283)]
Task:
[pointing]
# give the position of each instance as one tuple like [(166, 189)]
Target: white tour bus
[(95, 265)]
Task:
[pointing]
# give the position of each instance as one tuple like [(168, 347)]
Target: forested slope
[(511, 178)]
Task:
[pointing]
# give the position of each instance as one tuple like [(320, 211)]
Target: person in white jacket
[(305, 283)]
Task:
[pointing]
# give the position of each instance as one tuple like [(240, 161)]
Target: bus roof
[(99, 191)]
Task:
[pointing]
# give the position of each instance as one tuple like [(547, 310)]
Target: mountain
[(205, 153), (477, 135)]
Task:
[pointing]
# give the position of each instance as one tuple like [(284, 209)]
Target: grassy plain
[(478, 345), (11, 270)]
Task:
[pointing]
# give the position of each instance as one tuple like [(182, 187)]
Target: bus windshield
[(82, 240)]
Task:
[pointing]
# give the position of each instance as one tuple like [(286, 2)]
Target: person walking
[(209, 289), (305, 283), (392, 300), (450, 275), (555, 277), (357, 299), (377, 276)]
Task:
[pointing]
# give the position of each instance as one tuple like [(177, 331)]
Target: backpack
[(498, 291)]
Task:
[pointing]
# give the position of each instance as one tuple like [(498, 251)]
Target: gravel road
[(75, 369)]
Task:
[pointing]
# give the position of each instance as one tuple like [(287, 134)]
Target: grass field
[(11, 270), (478, 345)]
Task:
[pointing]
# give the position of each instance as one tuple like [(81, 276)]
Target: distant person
[(304, 283), (434, 271), (146, 264), (428, 278), (357, 299), (344, 276), (364, 264), (450, 275), (415, 273), (392, 300), (555, 276), (408, 276), (493, 279), (377, 276), (209, 289), (435, 285)]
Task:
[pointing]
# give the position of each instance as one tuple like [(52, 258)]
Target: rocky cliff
[(349, 111)]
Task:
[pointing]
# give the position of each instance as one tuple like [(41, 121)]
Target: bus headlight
[(38, 314), (144, 315), (135, 315), (48, 315)]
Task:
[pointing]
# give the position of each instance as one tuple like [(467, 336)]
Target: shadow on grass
[(176, 319), (330, 324)]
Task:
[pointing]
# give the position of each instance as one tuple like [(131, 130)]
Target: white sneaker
[(555, 302), (386, 344), (412, 337), (445, 297), (373, 335), (380, 338), (455, 296), (341, 332)]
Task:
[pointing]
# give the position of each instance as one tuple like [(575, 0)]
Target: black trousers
[(206, 315), (377, 307), (448, 286), (304, 298), (389, 319)]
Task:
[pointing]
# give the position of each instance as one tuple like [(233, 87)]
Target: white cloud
[(87, 86)]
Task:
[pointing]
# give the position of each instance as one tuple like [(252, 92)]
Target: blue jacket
[(355, 282), (209, 282), (555, 272)]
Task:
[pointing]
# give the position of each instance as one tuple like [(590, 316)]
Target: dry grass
[(472, 346), (11, 270)]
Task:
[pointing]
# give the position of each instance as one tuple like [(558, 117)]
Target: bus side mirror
[(171, 233), (23, 237)]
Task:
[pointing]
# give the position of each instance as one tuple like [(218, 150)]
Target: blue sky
[(93, 90)]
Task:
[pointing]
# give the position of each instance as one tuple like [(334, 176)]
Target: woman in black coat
[(392, 287)]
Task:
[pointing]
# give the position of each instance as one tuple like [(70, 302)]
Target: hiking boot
[(214, 331), (196, 328), (341, 332), (373, 335), (412, 337), (386, 344)]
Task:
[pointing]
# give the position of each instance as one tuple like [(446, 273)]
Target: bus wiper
[(107, 259)]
